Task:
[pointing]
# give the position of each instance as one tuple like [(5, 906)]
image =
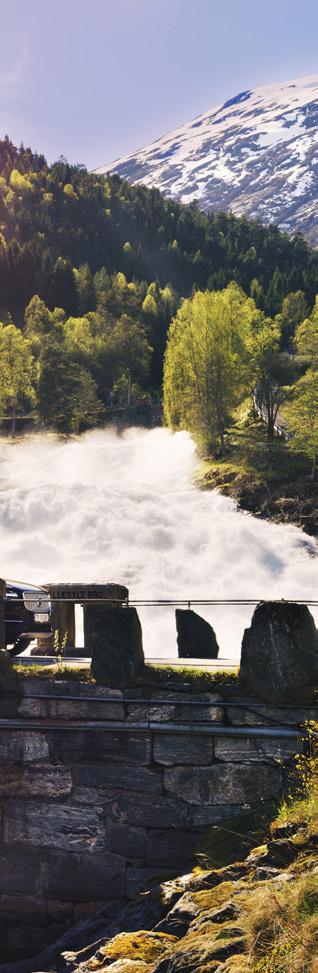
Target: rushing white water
[(124, 508)]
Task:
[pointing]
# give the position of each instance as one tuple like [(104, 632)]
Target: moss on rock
[(143, 946)]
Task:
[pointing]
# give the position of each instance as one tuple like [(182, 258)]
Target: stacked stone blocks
[(90, 813)]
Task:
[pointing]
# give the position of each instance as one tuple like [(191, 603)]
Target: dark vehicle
[(27, 615)]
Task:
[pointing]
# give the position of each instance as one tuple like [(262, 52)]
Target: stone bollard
[(114, 594), (279, 651), (2, 614), (116, 646), (196, 638)]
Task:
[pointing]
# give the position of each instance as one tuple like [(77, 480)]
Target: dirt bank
[(295, 502)]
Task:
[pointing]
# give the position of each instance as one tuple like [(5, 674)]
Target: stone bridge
[(105, 789)]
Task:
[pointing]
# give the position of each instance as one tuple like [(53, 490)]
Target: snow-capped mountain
[(256, 154)]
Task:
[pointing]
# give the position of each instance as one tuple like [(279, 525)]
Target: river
[(124, 508)]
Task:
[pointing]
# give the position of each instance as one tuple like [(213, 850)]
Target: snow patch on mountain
[(255, 154)]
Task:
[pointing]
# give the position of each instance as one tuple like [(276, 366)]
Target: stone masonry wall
[(90, 811)]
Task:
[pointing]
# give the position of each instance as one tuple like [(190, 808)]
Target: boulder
[(196, 638), (279, 651), (115, 644)]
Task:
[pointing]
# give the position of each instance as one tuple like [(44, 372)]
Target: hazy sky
[(95, 80)]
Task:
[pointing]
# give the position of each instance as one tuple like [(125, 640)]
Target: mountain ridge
[(233, 157)]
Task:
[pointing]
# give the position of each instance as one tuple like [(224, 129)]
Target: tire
[(19, 646)]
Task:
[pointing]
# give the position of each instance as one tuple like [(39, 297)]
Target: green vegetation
[(53, 672), (197, 680), (250, 457), (16, 372), (232, 841), (303, 411), (301, 804), (144, 946), (92, 272), (222, 347), (234, 914), (207, 362), (304, 417), (282, 928)]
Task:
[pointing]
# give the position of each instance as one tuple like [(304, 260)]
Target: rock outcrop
[(116, 646), (196, 638), (279, 651), (200, 921)]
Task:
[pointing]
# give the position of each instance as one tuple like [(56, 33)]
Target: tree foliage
[(303, 417), (57, 213), (207, 362), (16, 372), (306, 338), (94, 271), (273, 371)]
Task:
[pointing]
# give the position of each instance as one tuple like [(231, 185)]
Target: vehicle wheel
[(19, 646)]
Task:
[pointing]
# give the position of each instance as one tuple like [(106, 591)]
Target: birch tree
[(303, 418), (16, 372), (206, 370)]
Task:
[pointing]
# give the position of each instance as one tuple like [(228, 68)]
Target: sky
[(96, 80)]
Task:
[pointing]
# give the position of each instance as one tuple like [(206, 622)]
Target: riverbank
[(266, 479)]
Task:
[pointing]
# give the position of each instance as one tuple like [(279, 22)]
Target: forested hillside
[(115, 260), (63, 211)]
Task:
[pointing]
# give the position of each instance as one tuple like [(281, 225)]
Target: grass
[(250, 456), (282, 928), (281, 923), (54, 672), (198, 680), (301, 805), (232, 841), (278, 917)]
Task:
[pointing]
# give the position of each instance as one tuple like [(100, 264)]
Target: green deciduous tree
[(67, 393), (79, 338), (65, 286), (85, 288), (130, 350), (207, 362), (82, 407), (38, 320), (303, 417), (53, 380), (306, 338), (16, 372), (272, 370), (294, 309)]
